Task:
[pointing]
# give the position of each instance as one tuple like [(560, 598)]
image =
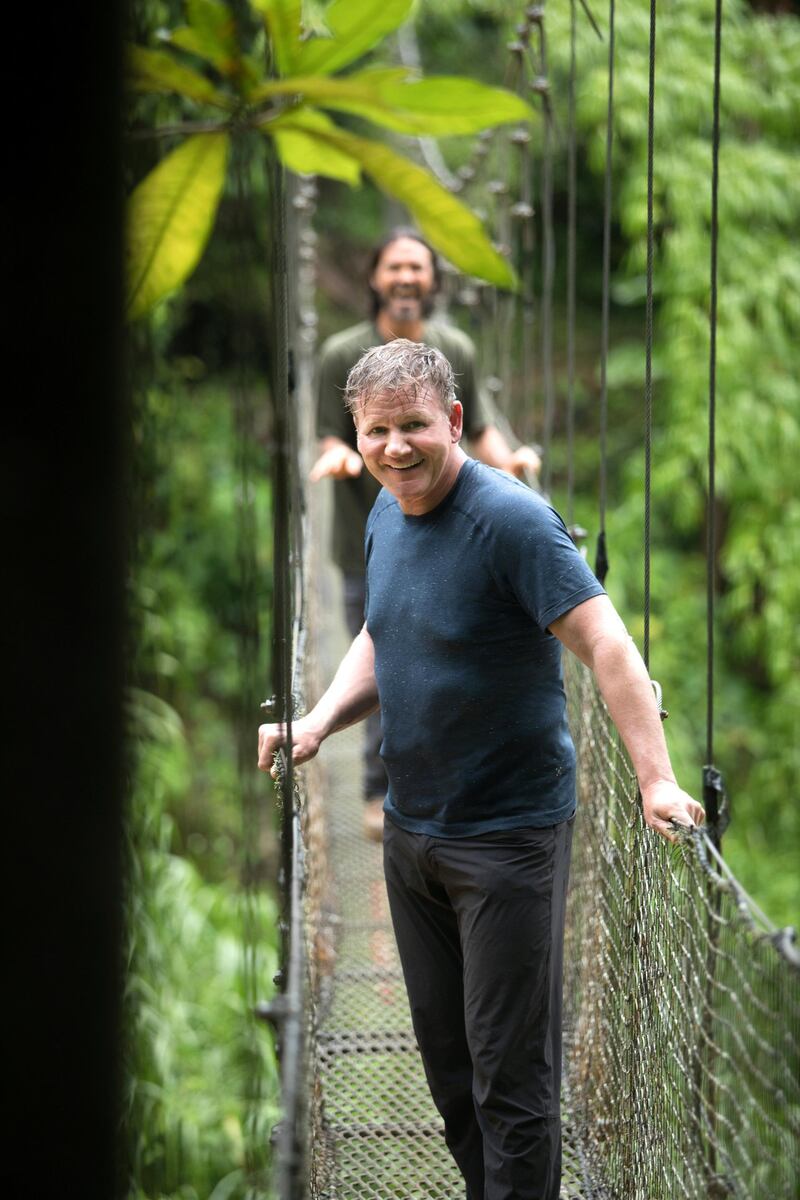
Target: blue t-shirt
[(475, 734)]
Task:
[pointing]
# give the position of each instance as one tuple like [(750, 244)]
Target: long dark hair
[(394, 235)]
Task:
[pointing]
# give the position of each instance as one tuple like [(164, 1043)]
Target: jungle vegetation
[(201, 1091)]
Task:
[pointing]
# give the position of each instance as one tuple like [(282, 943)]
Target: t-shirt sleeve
[(333, 419), (538, 561)]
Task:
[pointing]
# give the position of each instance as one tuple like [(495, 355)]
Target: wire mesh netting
[(682, 1013)]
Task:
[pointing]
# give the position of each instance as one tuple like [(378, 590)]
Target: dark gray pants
[(374, 774), (480, 929)]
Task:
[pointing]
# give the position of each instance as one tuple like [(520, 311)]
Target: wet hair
[(394, 235), (400, 368)]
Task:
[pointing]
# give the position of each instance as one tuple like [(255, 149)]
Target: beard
[(406, 304)]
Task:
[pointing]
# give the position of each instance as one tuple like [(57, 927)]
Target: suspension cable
[(601, 566), (714, 794), (648, 381), (571, 246), (409, 55), (712, 393), (248, 647), (541, 85)]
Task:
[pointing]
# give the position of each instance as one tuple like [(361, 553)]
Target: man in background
[(404, 278)]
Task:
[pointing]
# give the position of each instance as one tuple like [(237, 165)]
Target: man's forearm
[(594, 632), (352, 695), (625, 686)]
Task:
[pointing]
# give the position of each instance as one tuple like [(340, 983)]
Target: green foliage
[(201, 1083), (188, 603), (386, 96), (155, 71), (758, 396), (298, 137), (200, 1078), (170, 216), (457, 230), (351, 30), (173, 209)]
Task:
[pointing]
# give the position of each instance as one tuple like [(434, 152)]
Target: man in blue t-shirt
[(473, 586), (404, 277)]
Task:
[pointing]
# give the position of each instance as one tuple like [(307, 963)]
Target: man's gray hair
[(403, 368)]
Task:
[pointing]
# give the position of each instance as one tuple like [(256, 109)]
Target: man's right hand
[(337, 461), (306, 741)]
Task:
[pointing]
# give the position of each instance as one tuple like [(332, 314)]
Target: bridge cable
[(525, 243), (648, 382), (541, 85), (244, 304), (714, 796), (286, 1012), (571, 256), (601, 564)]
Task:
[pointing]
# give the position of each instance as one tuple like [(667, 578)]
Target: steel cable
[(648, 380), (571, 257), (601, 565), (711, 547)]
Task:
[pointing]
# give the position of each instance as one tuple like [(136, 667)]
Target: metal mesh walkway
[(376, 1132)]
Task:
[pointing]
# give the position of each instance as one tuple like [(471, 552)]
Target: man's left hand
[(663, 802)]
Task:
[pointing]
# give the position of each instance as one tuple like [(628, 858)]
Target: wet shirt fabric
[(353, 498), (470, 683)]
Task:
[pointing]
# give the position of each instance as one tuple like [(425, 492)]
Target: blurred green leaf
[(447, 223), (283, 19), (170, 217), (355, 26), (385, 96), (361, 85), (210, 34), (157, 71), (303, 150)]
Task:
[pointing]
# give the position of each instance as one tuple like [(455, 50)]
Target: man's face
[(404, 279), (410, 445)]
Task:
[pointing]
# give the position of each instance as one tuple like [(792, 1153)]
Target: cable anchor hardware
[(659, 695), (715, 801)]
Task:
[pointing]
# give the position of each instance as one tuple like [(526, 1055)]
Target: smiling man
[(403, 281), (473, 587)]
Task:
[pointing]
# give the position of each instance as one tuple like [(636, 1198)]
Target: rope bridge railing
[(682, 1002)]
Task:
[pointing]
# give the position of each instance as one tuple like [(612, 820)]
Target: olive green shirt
[(354, 498)]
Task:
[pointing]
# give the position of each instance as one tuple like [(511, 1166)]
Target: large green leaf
[(156, 71), (170, 216), (447, 223), (210, 34), (385, 96), (356, 26), (445, 104), (283, 19), (360, 86), (302, 150)]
